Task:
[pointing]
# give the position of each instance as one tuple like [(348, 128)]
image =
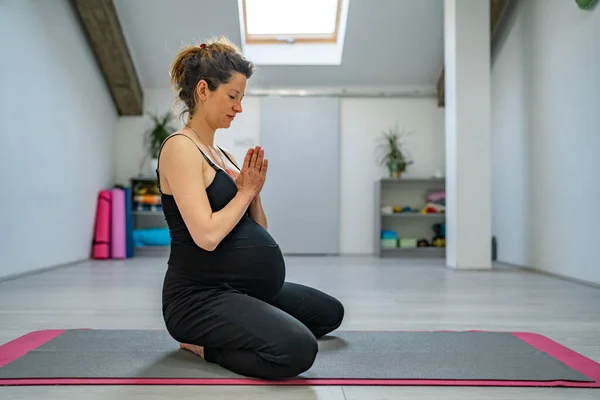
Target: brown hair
[(214, 61)]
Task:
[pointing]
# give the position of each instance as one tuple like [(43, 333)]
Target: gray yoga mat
[(342, 355)]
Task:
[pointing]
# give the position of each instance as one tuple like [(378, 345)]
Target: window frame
[(318, 38)]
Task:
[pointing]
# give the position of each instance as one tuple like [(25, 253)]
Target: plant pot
[(395, 174)]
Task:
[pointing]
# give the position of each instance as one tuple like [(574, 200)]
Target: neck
[(205, 133)]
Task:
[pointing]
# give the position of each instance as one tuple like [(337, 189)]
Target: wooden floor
[(377, 294)]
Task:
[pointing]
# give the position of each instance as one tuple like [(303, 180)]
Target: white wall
[(131, 157), (510, 157), (59, 123), (545, 88), (362, 121)]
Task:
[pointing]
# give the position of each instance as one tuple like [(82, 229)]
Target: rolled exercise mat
[(143, 357), (118, 241), (102, 234), (129, 222)]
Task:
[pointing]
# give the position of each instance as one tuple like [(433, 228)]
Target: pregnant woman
[(225, 297)]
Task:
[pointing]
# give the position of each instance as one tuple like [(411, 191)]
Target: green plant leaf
[(587, 4), (391, 151), (161, 129)]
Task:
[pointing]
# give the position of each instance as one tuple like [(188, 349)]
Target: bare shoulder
[(179, 159), (178, 139), (179, 145)]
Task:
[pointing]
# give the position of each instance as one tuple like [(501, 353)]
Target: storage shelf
[(148, 216), (415, 252), (157, 213), (152, 251), (409, 193), (144, 178), (412, 180), (414, 215)]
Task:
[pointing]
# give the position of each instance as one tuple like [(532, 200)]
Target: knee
[(304, 355), (300, 353), (337, 313), (331, 318)]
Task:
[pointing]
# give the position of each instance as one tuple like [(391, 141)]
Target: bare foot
[(199, 350)]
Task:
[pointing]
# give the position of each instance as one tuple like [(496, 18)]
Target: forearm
[(258, 213), (224, 220)]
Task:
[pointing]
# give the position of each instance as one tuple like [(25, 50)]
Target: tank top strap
[(229, 158), (160, 150)]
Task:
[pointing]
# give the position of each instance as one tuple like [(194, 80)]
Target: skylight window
[(293, 32), (291, 21)]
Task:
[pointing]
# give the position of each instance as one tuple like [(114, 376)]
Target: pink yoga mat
[(118, 241), (101, 244)]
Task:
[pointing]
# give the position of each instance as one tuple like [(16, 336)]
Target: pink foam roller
[(101, 244), (118, 241)]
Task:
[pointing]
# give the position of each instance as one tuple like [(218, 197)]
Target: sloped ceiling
[(388, 42)]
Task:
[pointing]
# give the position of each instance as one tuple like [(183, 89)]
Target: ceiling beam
[(101, 24), (497, 8)]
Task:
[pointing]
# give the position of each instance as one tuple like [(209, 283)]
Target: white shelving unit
[(407, 192)]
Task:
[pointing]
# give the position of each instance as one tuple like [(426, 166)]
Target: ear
[(202, 90)]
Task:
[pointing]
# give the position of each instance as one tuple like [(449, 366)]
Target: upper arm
[(181, 164)]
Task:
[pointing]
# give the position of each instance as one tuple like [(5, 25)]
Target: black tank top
[(188, 258)]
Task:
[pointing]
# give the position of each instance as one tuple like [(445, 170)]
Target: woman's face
[(222, 105)]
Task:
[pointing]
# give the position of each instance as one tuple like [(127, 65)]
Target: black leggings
[(251, 337)]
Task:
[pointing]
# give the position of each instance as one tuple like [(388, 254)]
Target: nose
[(237, 108)]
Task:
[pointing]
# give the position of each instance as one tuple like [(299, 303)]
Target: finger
[(254, 157), (257, 150), (248, 158), (259, 159), (265, 166)]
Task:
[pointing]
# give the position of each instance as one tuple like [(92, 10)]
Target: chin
[(227, 122)]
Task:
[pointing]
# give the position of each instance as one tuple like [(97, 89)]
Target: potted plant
[(587, 4), (156, 135), (392, 155)]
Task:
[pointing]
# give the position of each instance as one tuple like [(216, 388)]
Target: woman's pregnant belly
[(248, 259), (257, 271), (247, 233)]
